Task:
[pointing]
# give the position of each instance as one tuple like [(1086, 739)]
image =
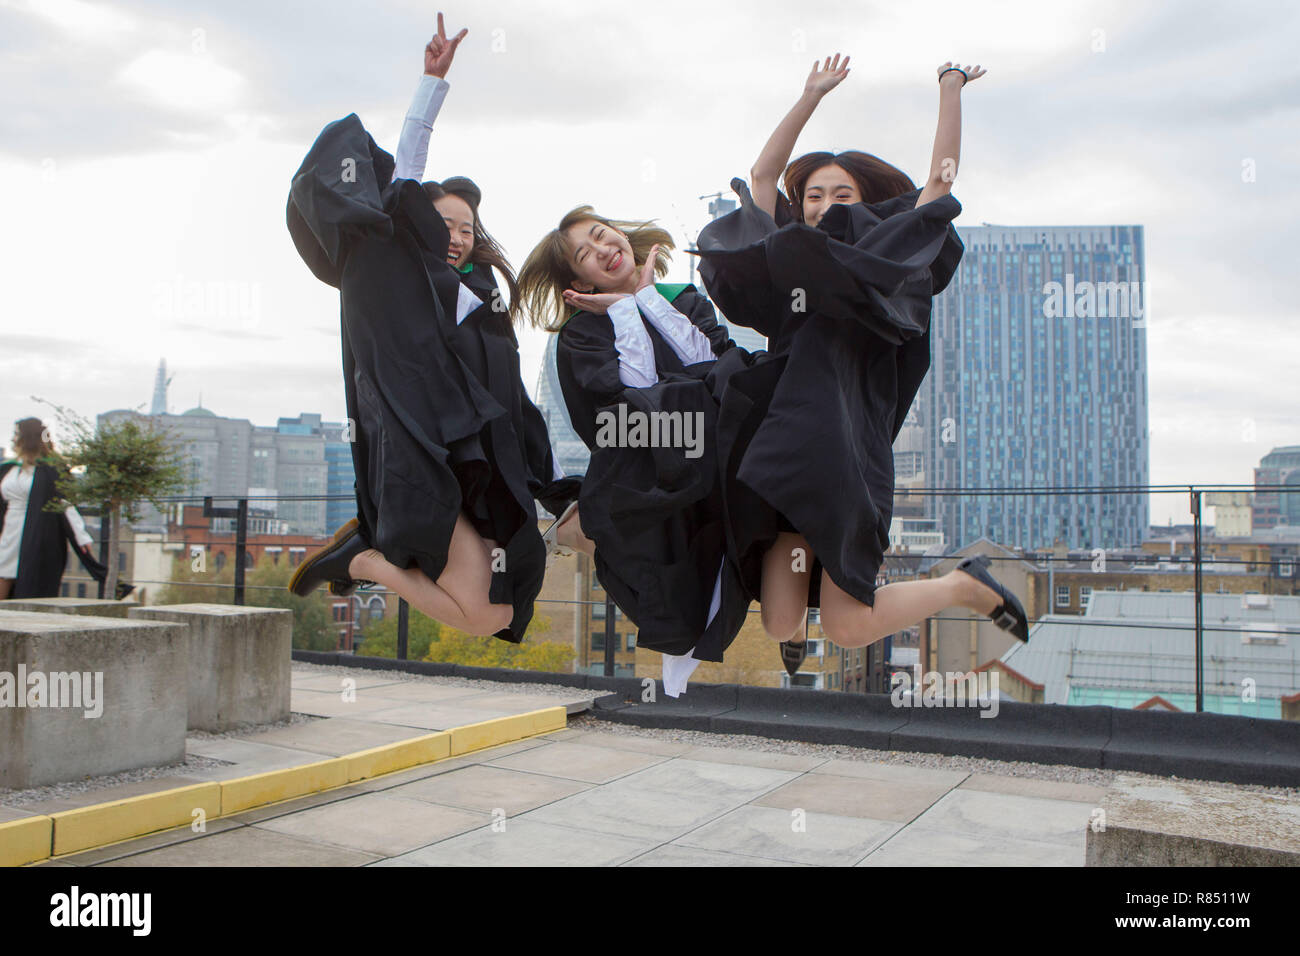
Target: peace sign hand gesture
[(440, 51)]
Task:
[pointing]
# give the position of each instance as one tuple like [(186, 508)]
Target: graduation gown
[(806, 435), (43, 553), (655, 514), (433, 406)]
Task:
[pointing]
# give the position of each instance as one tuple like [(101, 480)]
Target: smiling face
[(600, 256), (827, 186), (459, 218)]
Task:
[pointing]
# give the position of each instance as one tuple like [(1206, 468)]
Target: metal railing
[(240, 513)]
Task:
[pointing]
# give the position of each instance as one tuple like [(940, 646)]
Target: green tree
[(267, 585), (120, 465), (197, 582), (380, 637), (457, 647)]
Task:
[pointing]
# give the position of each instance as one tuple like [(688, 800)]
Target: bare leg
[(6, 587), (459, 597), (850, 623), (571, 535), (787, 566)]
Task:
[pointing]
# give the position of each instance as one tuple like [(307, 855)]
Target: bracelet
[(959, 70)]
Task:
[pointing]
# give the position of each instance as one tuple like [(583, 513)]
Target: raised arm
[(771, 162), (413, 146), (947, 138)]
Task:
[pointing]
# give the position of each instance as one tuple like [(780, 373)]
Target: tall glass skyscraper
[(1039, 378)]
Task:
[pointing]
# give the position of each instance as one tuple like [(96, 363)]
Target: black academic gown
[(43, 553), (430, 436), (654, 514), (806, 436)]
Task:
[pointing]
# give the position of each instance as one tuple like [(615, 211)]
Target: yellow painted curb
[(32, 839), (390, 758), (548, 720), (244, 793), (25, 840), (103, 823)]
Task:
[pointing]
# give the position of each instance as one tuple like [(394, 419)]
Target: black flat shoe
[(330, 563), (1010, 614), (792, 655)]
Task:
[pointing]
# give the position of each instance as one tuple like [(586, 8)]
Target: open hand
[(647, 277), (972, 72), (596, 302), (827, 76), (440, 51)]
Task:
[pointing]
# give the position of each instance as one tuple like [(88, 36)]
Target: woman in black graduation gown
[(650, 510), (449, 450), (34, 542), (840, 277)]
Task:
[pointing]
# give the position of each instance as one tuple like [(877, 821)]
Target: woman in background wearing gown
[(651, 518), (449, 450), (840, 276)]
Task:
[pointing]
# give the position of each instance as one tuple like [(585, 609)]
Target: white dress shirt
[(413, 155), (636, 357)]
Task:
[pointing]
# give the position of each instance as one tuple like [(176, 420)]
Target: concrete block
[(114, 696), (390, 758), (68, 605), (247, 792), (1188, 823), (239, 662)]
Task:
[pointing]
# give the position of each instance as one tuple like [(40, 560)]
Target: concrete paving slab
[(923, 846), (754, 758), (380, 823), (888, 800), (15, 813), (578, 761), (577, 703), (566, 734), (296, 805), (388, 781), (650, 816), (322, 704), (334, 736), (1031, 787), (892, 772), (641, 745), (674, 855), (151, 842), (490, 789), (735, 783), (437, 716), (420, 690), (247, 846), (815, 839), (1009, 817), (524, 842), (246, 757), (311, 680)]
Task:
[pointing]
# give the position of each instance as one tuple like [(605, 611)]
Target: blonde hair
[(546, 272)]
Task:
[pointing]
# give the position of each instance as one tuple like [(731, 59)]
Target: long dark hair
[(486, 252), (876, 179)]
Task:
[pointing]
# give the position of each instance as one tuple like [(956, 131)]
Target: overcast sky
[(147, 147)]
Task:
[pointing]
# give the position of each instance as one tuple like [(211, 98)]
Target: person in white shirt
[(630, 350), (33, 541)]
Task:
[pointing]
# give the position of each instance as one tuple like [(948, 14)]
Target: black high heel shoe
[(1010, 614), (792, 655), (330, 564)]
